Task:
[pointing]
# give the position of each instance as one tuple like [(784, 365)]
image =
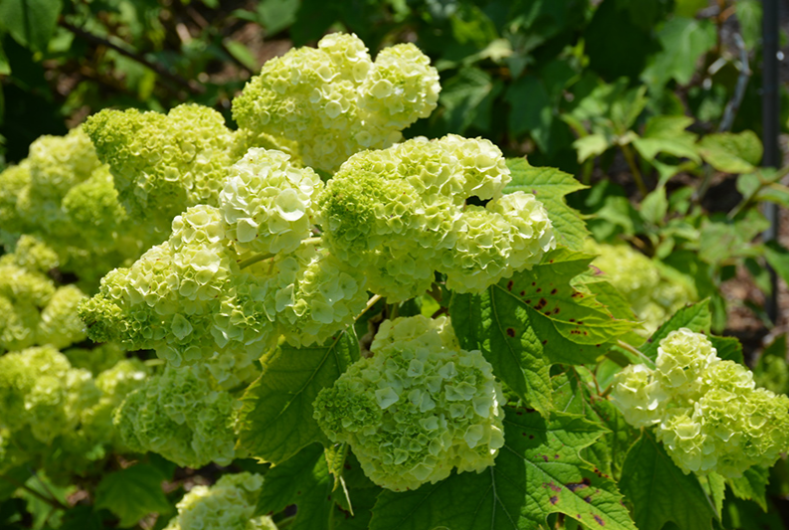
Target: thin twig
[(192, 86), (632, 349), (370, 303), (631, 162), (731, 110), (37, 494), (254, 259)]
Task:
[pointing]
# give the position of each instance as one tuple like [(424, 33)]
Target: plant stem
[(632, 349), (254, 259), (262, 257), (37, 494), (193, 87), (631, 163), (370, 303)]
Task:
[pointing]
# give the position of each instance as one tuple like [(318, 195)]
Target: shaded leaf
[(752, 485), (661, 492), (276, 418), (133, 493), (304, 481), (30, 22)]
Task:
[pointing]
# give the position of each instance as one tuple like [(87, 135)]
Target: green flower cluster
[(708, 412), (63, 195), (58, 416), (654, 292), (32, 309), (190, 300), (227, 505), (416, 409), (335, 101), (162, 164), (181, 414), (400, 214)]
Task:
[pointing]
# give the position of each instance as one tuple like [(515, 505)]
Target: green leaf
[(689, 8), (752, 485), (684, 41), (5, 68), (276, 417), (591, 146), (667, 134), (276, 15), (495, 324), (535, 318), (30, 22), (133, 493), (243, 54), (655, 206), (550, 186), (729, 348), (462, 96), (304, 481), (537, 472), (732, 152), (661, 492), (778, 258), (695, 317), (573, 392), (81, 518), (532, 109)]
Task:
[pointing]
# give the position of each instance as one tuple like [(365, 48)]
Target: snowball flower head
[(335, 101), (708, 412), (418, 408)]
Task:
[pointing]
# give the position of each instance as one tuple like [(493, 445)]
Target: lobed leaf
[(133, 493), (550, 185), (276, 418), (660, 492)]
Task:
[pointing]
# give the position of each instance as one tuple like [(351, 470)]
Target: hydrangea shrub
[(312, 322)]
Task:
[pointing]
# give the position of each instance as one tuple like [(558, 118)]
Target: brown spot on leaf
[(588, 499), (509, 285), (599, 520), (554, 291), (542, 303), (575, 486), (523, 293), (554, 499), (545, 458), (545, 342), (539, 290), (510, 332), (553, 486)]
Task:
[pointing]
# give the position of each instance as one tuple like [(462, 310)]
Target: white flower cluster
[(707, 411)]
